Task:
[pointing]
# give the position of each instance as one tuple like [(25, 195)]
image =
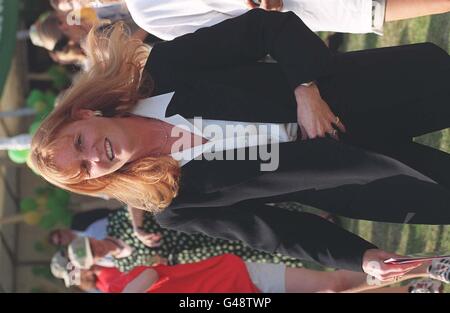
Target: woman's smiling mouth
[(109, 149)]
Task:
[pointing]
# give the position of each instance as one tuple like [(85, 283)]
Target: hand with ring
[(314, 116), (374, 265)]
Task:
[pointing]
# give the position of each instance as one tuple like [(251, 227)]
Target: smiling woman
[(74, 141), (214, 73), (92, 152)]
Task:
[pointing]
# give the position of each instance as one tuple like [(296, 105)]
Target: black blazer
[(216, 74)]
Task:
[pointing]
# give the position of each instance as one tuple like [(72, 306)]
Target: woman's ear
[(85, 114)]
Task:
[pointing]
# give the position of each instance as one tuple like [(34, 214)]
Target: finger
[(331, 131), (155, 242), (391, 279), (250, 4), (153, 236), (397, 271), (148, 236), (334, 134), (389, 271), (319, 133), (152, 244), (303, 133), (323, 128), (311, 132), (336, 121), (401, 267), (386, 279), (386, 276), (341, 126)]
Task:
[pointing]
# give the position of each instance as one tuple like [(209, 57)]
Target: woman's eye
[(79, 142)]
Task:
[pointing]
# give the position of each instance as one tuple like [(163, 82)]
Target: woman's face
[(68, 5), (96, 146), (75, 32), (62, 237)]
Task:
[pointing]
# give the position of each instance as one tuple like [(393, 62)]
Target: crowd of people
[(199, 218), (99, 254)]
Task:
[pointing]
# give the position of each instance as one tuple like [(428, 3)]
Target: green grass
[(406, 239)]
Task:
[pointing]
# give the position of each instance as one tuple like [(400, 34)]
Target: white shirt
[(168, 19), (112, 11), (97, 230), (221, 135)]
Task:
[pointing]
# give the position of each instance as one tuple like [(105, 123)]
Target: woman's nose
[(92, 154)]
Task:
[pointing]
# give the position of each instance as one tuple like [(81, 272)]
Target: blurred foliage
[(50, 206), (42, 271), (60, 77)]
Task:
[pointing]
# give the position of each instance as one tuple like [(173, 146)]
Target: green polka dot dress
[(180, 248)]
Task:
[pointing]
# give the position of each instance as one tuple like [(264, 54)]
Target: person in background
[(69, 5), (96, 279), (59, 267), (64, 37), (92, 223), (156, 245), (230, 274), (168, 19), (99, 278), (63, 41), (92, 12)]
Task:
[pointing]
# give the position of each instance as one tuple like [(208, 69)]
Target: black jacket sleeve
[(272, 229), (302, 54)]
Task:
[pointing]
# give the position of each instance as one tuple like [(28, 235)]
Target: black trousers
[(385, 101)]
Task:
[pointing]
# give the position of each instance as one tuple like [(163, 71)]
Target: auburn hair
[(113, 85)]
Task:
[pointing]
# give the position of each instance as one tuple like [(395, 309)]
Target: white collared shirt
[(168, 19), (221, 135), (96, 230), (112, 11)]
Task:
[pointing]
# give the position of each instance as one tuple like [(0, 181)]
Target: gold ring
[(337, 121)]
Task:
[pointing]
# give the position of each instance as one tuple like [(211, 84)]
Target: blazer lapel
[(206, 176)]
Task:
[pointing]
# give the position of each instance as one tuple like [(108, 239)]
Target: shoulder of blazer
[(159, 68), (157, 71)]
